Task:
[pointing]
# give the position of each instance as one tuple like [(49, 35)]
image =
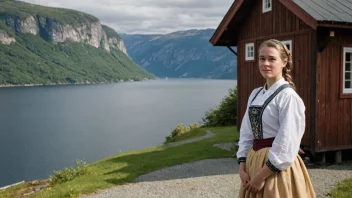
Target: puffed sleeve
[(246, 135), (292, 125)]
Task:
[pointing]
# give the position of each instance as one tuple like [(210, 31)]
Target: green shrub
[(194, 126), (225, 114), (69, 174), (180, 130)]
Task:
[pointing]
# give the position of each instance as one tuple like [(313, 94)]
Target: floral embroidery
[(255, 119)]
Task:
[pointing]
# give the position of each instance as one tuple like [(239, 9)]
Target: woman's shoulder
[(289, 94), (255, 91)]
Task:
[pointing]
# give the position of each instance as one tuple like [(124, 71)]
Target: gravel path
[(209, 134), (210, 178), (206, 178)]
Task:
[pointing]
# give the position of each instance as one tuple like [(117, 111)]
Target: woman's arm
[(246, 134), (246, 139), (245, 143), (292, 125)]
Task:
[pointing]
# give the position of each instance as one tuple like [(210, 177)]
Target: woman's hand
[(244, 178), (243, 174), (256, 184)]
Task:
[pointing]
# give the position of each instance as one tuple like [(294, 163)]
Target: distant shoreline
[(96, 83), (53, 84), (37, 85)]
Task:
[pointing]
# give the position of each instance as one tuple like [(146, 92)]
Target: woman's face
[(270, 63)]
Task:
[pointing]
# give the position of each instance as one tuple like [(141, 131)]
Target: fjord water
[(47, 128)]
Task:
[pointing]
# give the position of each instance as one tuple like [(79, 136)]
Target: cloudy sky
[(149, 16)]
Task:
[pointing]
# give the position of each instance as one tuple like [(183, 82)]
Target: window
[(266, 5), (347, 71), (288, 44), (250, 51)]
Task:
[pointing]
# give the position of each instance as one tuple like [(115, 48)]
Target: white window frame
[(265, 3), (345, 51), (289, 43), (249, 48)]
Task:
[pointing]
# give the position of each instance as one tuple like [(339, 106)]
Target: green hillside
[(34, 60), (37, 59)]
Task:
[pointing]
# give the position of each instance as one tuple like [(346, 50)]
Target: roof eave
[(215, 39), (335, 24)]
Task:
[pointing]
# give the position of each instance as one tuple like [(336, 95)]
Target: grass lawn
[(123, 168), (343, 189)]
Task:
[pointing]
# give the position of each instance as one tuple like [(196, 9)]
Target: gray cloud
[(149, 16)]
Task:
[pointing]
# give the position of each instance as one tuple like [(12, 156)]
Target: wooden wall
[(334, 126), (281, 24)]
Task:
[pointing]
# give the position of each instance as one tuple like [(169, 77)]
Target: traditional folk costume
[(271, 132)]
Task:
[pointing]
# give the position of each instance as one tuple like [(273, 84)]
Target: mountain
[(43, 45), (182, 54)]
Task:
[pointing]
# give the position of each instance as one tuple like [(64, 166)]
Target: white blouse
[(283, 118)]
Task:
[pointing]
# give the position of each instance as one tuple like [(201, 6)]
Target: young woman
[(271, 132)]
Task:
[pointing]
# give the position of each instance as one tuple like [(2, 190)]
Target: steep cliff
[(6, 36), (182, 54), (114, 40), (57, 25), (42, 45)]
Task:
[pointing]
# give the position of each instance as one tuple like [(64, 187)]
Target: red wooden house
[(319, 35)]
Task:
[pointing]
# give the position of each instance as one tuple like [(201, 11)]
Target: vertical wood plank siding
[(334, 113)]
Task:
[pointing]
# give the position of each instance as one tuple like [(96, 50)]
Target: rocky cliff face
[(113, 39), (117, 43), (52, 30), (5, 39)]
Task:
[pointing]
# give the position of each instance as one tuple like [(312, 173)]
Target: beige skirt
[(294, 182)]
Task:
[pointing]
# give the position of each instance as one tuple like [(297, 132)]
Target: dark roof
[(315, 13), (327, 10)]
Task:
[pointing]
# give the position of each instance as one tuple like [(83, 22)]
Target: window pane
[(347, 66), (347, 84), (348, 56), (347, 76)]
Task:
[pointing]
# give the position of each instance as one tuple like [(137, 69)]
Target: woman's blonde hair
[(285, 54)]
